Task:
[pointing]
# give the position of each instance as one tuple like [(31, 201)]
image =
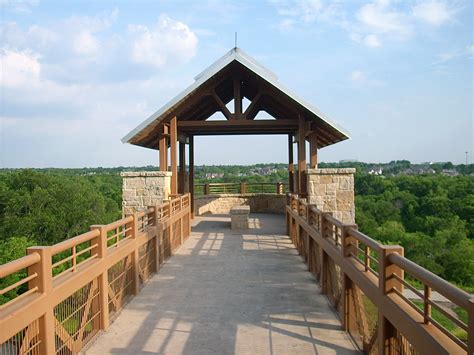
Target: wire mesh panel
[(27, 341), (120, 279), (176, 235), (401, 346), (77, 319), (185, 222), (165, 245), (363, 319), (146, 261), (334, 284), (314, 258)]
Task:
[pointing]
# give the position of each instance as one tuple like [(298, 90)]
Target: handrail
[(19, 264), (69, 243), (50, 282), (451, 292), (382, 283), (214, 188)]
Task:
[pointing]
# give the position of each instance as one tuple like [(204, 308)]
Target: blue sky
[(76, 76)]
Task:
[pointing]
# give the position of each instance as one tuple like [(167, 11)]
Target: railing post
[(324, 255), (157, 237), (386, 331), (101, 242), (387, 269), (44, 282), (135, 256), (181, 219), (206, 189), (348, 245), (470, 325), (243, 188), (279, 188)]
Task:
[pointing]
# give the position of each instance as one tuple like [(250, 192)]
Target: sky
[(77, 76)]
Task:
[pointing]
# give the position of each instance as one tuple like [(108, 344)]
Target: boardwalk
[(226, 292)]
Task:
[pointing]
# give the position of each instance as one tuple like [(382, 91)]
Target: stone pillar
[(332, 190), (143, 189)]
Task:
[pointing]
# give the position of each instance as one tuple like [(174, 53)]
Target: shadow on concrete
[(229, 293)]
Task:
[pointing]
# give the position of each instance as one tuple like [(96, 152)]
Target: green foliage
[(431, 216), (47, 208)]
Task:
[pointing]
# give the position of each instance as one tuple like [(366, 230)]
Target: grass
[(446, 322)]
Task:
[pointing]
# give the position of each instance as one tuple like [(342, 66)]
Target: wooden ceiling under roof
[(234, 82)]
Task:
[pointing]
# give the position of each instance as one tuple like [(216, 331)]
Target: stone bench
[(239, 217)]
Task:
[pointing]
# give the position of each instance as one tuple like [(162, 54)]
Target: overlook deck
[(229, 292)]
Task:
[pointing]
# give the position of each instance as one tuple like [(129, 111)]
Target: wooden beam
[(182, 168), (225, 111), (313, 149), (163, 146), (301, 156), (191, 172), (249, 123), (174, 157), (237, 99), (248, 114), (291, 167)]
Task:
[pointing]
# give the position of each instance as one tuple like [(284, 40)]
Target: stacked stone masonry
[(143, 189), (221, 204), (239, 217), (332, 190)]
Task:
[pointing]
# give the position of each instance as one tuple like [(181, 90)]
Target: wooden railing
[(240, 188), (61, 296), (365, 281)]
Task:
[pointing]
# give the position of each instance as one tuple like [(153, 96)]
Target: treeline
[(432, 217), (44, 208)]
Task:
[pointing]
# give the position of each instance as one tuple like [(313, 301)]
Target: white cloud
[(372, 41), (168, 41), (360, 78), (357, 76), (380, 17), (454, 54), (18, 68), (434, 12), (18, 5), (86, 43)]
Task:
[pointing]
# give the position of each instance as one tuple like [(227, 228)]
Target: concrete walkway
[(229, 292)]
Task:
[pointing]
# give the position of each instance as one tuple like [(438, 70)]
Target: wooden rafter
[(249, 113), (237, 98), (223, 108)]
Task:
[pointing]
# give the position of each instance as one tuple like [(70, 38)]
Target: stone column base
[(332, 190), (144, 188)]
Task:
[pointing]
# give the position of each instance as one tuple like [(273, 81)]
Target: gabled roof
[(235, 55)]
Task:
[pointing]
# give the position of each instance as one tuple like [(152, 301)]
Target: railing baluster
[(427, 305)]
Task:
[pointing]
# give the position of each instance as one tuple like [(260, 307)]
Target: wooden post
[(182, 167), (301, 156), (291, 167), (135, 257), (206, 189), (386, 282), (101, 242), (157, 237), (237, 99), (191, 173), (313, 148), (163, 146), (243, 187), (348, 246), (44, 282), (470, 325), (174, 157), (386, 332)]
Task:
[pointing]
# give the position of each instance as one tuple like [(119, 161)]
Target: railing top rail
[(119, 223), (364, 239), (69, 243), (453, 293), (19, 264)]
